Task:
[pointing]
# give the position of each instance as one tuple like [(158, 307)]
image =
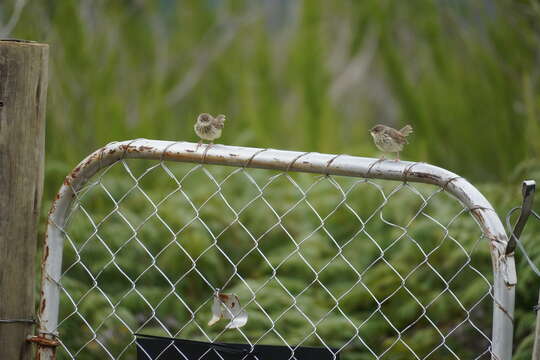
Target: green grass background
[(305, 75)]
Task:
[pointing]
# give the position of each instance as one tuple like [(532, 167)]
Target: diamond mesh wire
[(370, 269)]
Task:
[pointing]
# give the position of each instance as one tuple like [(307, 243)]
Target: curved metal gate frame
[(504, 279)]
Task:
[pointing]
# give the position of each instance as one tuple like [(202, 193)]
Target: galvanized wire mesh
[(369, 269)]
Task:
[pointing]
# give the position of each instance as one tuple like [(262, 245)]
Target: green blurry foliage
[(308, 75)]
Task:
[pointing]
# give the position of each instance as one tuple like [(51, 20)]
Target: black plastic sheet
[(163, 348)]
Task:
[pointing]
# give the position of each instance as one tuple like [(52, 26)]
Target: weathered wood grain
[(23, 91)]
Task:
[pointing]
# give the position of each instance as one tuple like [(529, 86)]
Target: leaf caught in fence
[(227, 306)]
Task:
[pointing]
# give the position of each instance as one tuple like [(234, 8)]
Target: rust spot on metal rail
[(45, 254), (42, 305), (43, 341), (51, 211), (137, 149)]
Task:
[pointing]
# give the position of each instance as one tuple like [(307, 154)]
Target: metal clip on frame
[(527, 190)]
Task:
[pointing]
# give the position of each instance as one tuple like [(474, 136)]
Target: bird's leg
[(208, 146), (397, 157), (382, 157), (199, 144)]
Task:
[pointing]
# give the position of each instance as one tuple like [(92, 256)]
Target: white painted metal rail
[(92, 171)]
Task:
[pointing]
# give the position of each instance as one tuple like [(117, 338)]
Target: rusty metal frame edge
[(504, 273)]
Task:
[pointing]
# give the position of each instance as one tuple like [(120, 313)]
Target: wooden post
[(23, 92)]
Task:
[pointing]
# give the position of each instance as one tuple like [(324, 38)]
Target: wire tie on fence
[(372, 165), (41, 340), (57, 283), (330, 163), (126, 147), (205, 152), (444, 187), (103, 150), (248, 163), (164, 152), (100, 157), (295, 159), (478, 207), (408, 170), (505, 312), (50, 333), (15, 321)]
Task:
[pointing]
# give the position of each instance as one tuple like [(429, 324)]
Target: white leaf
[(239, 320), (216, 311), (227, 306)]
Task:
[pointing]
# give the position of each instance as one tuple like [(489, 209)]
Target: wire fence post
[(23, 90)]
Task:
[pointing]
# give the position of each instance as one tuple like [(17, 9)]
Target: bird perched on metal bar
[(208, 127), (388, 139)]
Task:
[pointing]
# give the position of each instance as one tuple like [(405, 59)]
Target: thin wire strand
[(510, 230)]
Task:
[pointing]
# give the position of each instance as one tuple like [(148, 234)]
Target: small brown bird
[(208, 127), (389, 139)]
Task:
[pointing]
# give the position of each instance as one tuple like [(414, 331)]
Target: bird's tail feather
[(407, 129), (219, 121)]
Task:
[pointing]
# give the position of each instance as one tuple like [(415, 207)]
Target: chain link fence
[(367, 259)]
